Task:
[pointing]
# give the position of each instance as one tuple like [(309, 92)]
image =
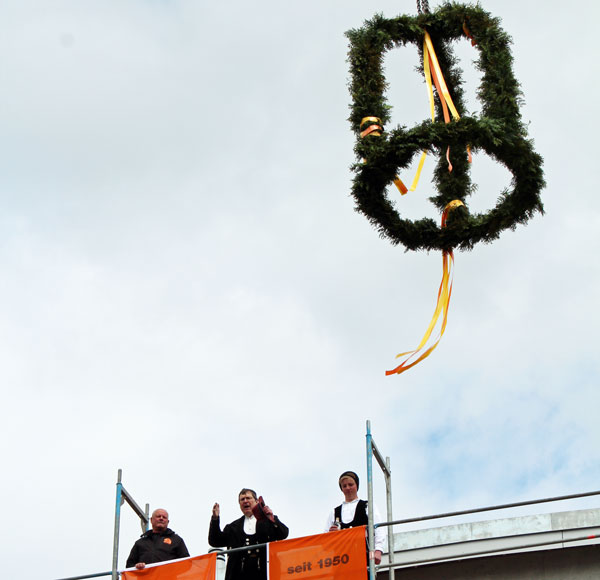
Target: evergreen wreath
[(498, 130)]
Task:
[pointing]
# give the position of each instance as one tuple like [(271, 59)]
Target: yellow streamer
[(430, 62), (443, 303), (370, 119), (415, 182), (419, 169), (427, 71)]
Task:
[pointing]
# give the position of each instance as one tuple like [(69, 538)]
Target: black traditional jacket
[(251, 563)]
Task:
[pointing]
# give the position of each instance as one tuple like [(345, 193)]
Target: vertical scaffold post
[(144, 515), (146, 522), (370, 498), (388, 490), (118, 504)]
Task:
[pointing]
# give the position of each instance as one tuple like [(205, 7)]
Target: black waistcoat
[(360, 515)]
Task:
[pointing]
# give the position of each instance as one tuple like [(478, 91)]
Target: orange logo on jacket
[(167, 540)]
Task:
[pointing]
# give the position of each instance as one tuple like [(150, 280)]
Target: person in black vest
[(248, 564), (354, 512), (158, 544)]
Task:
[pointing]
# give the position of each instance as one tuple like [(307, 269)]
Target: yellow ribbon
[(443, 303), (419, 169), (429, 54), (432, 69)]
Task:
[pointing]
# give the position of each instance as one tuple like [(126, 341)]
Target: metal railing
[(489, 508), (373, 451), (123, 496), (524, 546), (392, 523), (97, 575), (220, 555)]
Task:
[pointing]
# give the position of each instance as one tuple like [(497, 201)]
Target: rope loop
[(423, 6)]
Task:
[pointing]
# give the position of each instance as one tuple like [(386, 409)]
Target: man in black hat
[(158, 544), (258, 525), (354, 512)]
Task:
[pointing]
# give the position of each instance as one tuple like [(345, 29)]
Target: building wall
[(575, 563)]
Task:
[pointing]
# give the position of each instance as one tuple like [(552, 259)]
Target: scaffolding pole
[(144, 515), (370, 526), (372, 450)]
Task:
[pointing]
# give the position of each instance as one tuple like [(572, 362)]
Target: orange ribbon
[(371, 129), (401, 187), (441, 309), (468, 34), (375, 129)]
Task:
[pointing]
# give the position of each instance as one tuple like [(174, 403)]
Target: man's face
[(159, 520), (247, 502)]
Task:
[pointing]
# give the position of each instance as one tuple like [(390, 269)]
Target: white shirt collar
[(250, 525)]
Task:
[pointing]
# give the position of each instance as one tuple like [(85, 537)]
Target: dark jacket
[(247, 564), (157, 547)]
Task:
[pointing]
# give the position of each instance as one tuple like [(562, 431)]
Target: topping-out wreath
[(498, 130)]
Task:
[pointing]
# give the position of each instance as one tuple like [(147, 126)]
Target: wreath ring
[(498, 130)]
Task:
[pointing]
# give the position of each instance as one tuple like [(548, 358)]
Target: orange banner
[(332, 556), (197, 568)]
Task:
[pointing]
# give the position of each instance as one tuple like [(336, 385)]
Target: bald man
[(158, 544)]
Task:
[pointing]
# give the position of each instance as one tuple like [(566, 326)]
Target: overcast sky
[(187, 293)]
